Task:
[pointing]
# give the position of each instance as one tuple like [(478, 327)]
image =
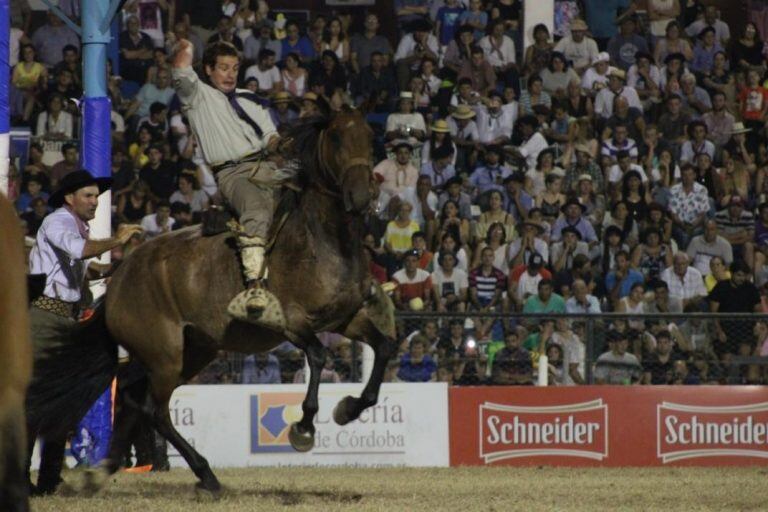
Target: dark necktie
[(241, 113)]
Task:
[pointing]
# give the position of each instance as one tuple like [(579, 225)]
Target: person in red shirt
[(753, 101)]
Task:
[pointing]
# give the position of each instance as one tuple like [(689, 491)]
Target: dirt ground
[(464, 489)]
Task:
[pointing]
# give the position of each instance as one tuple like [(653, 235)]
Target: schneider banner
[(609, 425), (247, 425)]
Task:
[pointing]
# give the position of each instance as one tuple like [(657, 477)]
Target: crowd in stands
[(616, 164)]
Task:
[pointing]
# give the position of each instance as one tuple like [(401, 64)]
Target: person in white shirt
[(450, 284), (684, 281), (623, 166), (578, 49), (159, 222), (605, 98), (494, 123), (266, 72), (405, 123), (424, 201), (413, 48), (596, 77), (710, 19), (534, 142), (499, 49)]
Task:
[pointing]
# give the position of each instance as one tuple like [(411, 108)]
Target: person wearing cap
[(266, 72), (398, 173), (626, 44), (260, 38), (62, 248), (719, 121), (517, 201), (495, 123), (604, 100), (412, 283), (440, 168), (617, 366), (697, 143), (737, 225), (564, 251), (709, 244), (418, 43), (281, 111), (405, 124), (573, 217), (239, 141), (579, 49), (596, 77)]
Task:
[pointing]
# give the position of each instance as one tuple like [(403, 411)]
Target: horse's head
[(345, 151)]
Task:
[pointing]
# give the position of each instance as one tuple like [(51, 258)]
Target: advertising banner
[(240, 426), (609, 425)]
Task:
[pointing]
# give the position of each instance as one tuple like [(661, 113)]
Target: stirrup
[(258, 306)]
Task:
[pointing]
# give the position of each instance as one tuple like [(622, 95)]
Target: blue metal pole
[(5, 116)]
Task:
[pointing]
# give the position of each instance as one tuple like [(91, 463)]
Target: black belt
[(56, 306), (251, 157)]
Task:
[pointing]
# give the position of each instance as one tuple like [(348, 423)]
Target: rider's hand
[(126, 231)]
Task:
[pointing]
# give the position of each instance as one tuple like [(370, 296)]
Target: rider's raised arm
[(185, 80)]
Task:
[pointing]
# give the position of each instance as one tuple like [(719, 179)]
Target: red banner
[(609, 425)]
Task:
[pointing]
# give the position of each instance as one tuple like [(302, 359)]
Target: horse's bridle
[(326, 168)]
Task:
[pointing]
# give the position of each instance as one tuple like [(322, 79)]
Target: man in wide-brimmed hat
[(616, 87), (573, 216), (405, 124), (60, 254), (281, 110), (465, 134), (579, 49)]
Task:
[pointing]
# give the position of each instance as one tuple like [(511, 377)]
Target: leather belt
[(55, 306), (251, 157)]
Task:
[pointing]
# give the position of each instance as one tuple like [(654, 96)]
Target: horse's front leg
[(375, 324), (302, 433)]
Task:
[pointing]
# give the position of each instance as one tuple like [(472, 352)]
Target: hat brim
[(743, 130), (56, 199)]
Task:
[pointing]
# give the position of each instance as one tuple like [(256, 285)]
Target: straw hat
[(579, 24), (281, 97), (585, 177), (618, 73), (440, 126), (463, 112), (309, 96), (406, 95), (582, 148), (739, 128)]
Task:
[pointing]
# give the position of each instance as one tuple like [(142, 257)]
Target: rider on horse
[(237, 138)]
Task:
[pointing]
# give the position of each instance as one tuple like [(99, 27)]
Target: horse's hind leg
[(302, 433), (374, 324)]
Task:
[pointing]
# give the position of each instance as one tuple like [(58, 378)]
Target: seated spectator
[(465, 135), (137, 151), (375, 85), (450, 222), (620, 281), (688, 206), (29, 78), (450, 284), (327, 75), (136, 49), (617, 366), (582, 301), (405, 124), (659, 300), (651, 256), (35, 214), (282, 112), (417, 365), (516, 200), (225, 33), (424, 203), (605, 99), (50, 39), (719, 121), (535, 183), (545, 301), (397, 238), (189, 193), (159, 222), (557, 75), (440, 167), (414, 285), (452, 346), (578, 49), (685, 282), (710, 19), (529, 241), (412, 48), (564, 251), (159, 61), (697, 144), (694, 98), (495, 238), (450, 242), (491, 175), (736, 224), (65, 86), (596, 77), (573, 216), (707, 245), (533, 96), (524, 280), (158, 91), (494, 121), (479, 71), (368, 42), (181, 215), (453, 192), (33, 190), (704, 51), (266, 72), (71, 163), (55, 123), (419, 244), (260, 38), (134, 205), (327, 375), (624, 46), (261, 368), (718, 271), (737, 295), (512, 364), (495, 214), (659, 368), (620, 142), (487, 285), (500, 50), (458, 50), (157, 120)]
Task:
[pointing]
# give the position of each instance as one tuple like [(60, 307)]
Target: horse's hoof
[(301, 441), (341, 413), (208, 492)]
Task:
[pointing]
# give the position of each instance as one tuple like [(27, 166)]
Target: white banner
[(247, 425)]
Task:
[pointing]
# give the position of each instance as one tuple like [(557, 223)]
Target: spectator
[(296, 43), (397, 238), (327, 375), (512, 364), (747, 52), (225, 33), (494, 237), (479, 71), (704, 247), (494, 121), (414, 285), (33, 191), (136, 49), (557, 75), (688, 205), (398, 173), (450, 284), (465, 135), (517, 201), (365, 44), (620, 281), (533, 96), (424, 203), (453, 346), (659, 300), (546, 301), (159, 174), (582, 301), (55, 122), (417, 365), (738, 295), (697, 143), (579, 49), (260, 38), (537, 55), (69, 164), (710, 20), (659, 368), (438, 155), (150, 15), (596, 77), (719, 121), (282, 112), (617, 366), (159, 222), (266, 72), (29, 78), (181, 215), (573, 217), (625, 46), (499, 50), (491, 175), (190, 194), (450, 242), (413, 47), (135, 204), (685, 282), (375, 84), (36, 213), (570, 246), (486, 288), (157, 121), (405, 124), (50, 39), (453, 192), (327, 76), (261, 368), (160, 91)]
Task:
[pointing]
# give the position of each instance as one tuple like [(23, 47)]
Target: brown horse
[(167, 302), (15, 362)]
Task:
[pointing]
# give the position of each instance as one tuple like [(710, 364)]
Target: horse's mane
[(306, 136)]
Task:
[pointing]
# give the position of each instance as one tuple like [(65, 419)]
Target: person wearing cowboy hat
[(616, 87), (63, 247), (578, 49), (529, 241), (465, 134), (719, 121), (309, 106), (281, 111), (583, 164), (564, 251), (596, 77), (573, 217), (405, 123), (440, 135)]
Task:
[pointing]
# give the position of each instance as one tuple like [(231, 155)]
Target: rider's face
[(223, 75)]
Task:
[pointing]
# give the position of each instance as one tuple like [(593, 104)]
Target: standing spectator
[(737, 295), (159, 222), (50, 39), (617, 366), (579, 49), (135, 52), (365, 44)]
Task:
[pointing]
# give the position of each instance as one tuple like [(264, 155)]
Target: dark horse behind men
[(15, 362), (167, 302)]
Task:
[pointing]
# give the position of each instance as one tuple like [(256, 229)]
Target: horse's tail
[(67, 380)]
